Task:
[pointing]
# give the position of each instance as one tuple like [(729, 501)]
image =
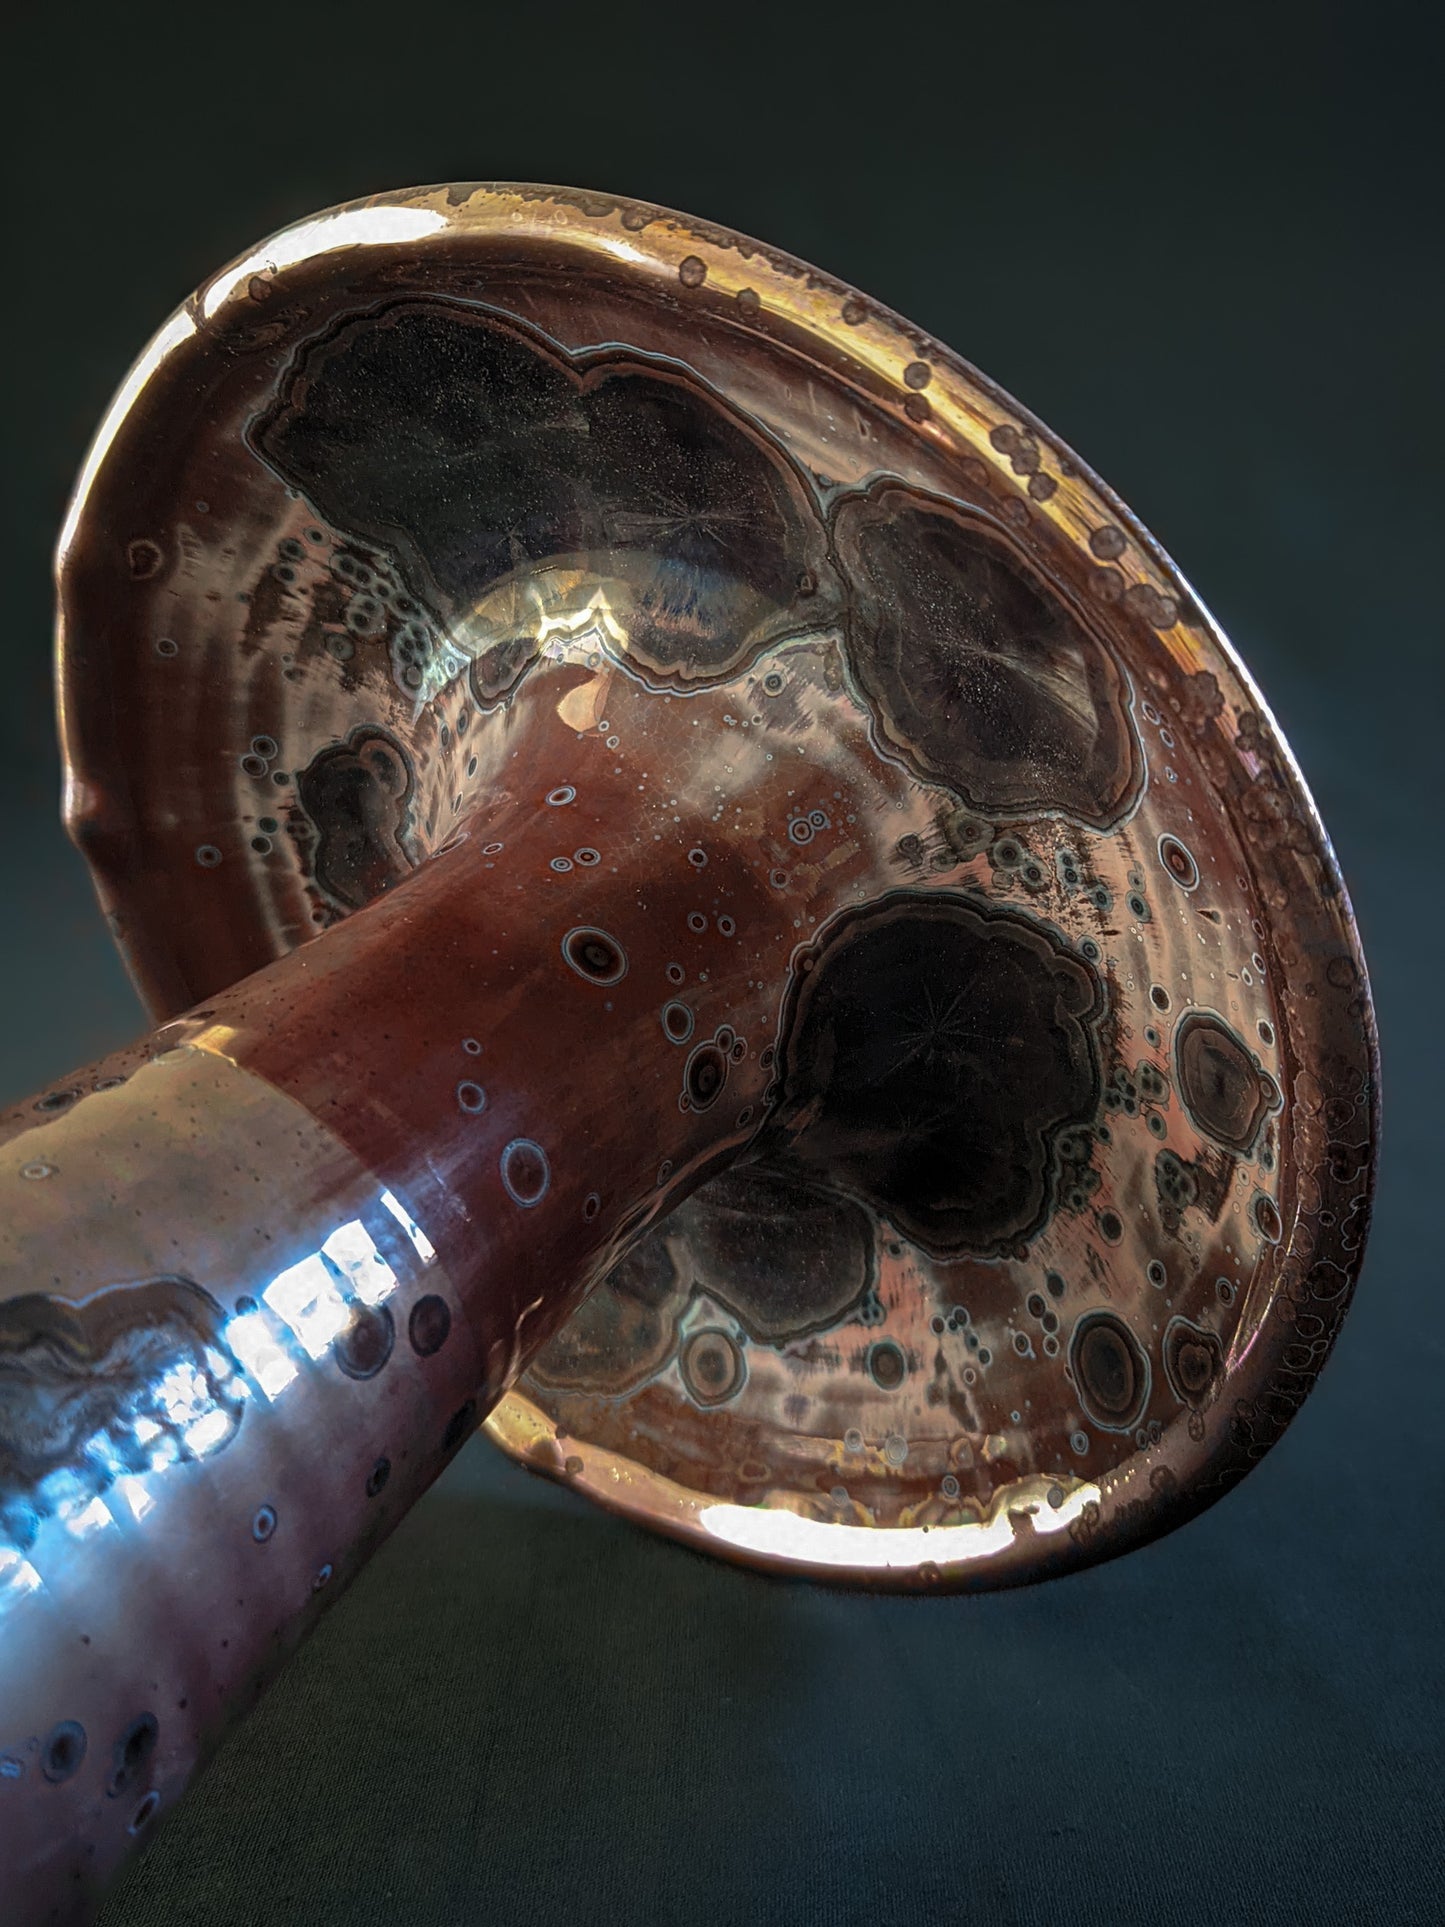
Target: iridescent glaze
[(749, 926)]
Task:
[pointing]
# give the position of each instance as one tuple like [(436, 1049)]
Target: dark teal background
[(1203, 244)]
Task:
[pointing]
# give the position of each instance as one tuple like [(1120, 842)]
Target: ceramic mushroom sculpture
[(712, 899)]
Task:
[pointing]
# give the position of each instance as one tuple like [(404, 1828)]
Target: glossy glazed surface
[(1054, 1192), (264, 1272)]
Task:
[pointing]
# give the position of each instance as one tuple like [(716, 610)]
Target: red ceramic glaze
[(713, 900)]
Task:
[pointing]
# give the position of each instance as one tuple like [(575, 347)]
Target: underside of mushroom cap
[(1059, 1191)]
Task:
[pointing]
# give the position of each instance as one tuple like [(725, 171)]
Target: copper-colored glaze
[(623, 761)]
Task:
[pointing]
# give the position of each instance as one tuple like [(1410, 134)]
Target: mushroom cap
[(1062, 1187)]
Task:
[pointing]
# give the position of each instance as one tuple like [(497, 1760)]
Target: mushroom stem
[(262, 1274)]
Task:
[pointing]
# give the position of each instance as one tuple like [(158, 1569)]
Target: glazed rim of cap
[(1313, 945)]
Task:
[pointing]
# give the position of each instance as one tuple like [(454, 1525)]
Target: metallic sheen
[(713, 900)]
